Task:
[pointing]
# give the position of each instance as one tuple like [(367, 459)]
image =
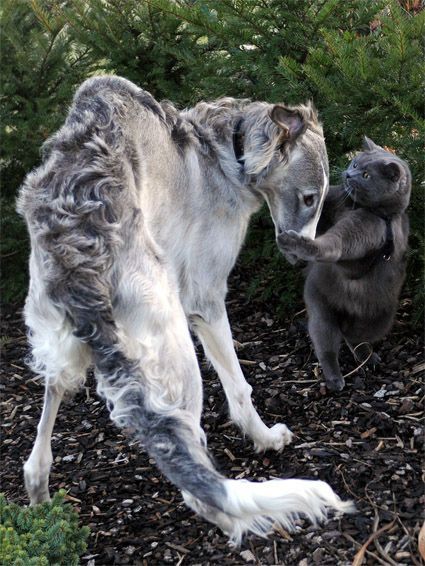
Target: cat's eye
[(354, 165), (365, 175), (309, 200)]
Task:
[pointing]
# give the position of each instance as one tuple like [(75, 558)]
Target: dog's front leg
[(216, 338)]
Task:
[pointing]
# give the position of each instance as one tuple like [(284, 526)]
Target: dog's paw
[(278, 437)]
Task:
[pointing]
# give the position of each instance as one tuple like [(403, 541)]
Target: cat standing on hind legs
[(357, 263)]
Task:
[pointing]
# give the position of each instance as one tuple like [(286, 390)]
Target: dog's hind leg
[(37, 467), (216, 338), (59, 358)]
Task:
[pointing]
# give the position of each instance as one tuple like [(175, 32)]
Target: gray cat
[(357, 262)]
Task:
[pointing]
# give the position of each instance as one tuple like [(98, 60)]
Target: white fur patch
[(255, 507)]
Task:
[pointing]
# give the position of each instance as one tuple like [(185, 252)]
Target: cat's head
[(378, 179)]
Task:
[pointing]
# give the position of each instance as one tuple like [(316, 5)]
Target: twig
[(363, 362), (375, 528), (358, 559), (177, 547), (406, 530), (377, 543), (276, 559), (368, 552), (301, 381), (247, 362)]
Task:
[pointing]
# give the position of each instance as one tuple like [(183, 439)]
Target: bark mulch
[(366, 441)]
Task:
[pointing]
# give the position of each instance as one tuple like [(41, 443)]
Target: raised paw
[(296, 247), (277, 438)]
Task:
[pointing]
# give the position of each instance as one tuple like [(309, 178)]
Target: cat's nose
[(347, 175)]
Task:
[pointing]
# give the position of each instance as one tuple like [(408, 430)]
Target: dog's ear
[(369, 145), (290, 122)]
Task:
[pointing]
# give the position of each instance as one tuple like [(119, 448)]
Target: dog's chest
[(202, 254)]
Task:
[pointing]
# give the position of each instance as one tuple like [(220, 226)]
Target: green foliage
[(44, 535), (134, 39), (13, 252), (373, 84), (361, 61), (40, 64)]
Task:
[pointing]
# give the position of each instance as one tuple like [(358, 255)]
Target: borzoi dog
[(136, 218)]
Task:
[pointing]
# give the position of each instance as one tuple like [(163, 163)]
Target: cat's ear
[(290, 122), (369, 145), (391, 171)]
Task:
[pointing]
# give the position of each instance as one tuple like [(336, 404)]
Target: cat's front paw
[(292, 244)]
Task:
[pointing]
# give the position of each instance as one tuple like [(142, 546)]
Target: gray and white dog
[(136, 218)]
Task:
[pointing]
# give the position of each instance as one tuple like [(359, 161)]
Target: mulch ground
[(366, 441)]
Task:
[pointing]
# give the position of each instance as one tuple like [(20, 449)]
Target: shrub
[(42, 535)]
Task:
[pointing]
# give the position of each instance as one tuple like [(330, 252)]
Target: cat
[(357, 262)]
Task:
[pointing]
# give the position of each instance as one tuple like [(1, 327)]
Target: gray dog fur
[(136, 218)]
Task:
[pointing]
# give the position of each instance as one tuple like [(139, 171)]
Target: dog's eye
[(309, 200), (365, 175)]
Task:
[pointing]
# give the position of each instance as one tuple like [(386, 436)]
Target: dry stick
[(368, 552), (375, 527), (377, 544), (363, 362), (396, 519), (358, 559), (412, 557)]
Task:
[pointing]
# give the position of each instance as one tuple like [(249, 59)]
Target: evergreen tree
[(361, 61), (372, 84), (42, 535), (41, 65)]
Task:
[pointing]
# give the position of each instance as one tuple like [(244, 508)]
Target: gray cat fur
[(352, 290)]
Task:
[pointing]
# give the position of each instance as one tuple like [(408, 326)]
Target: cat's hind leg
[(326, 336)]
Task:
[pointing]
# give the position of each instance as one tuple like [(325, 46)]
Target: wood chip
[(229, 454), (247, 363), (368, 433), (177, 547)]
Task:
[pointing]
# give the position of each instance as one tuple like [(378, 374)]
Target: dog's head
[(285, 153)]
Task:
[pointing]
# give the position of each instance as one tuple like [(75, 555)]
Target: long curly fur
[(110, 285)]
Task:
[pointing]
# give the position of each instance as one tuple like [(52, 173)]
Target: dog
[(136, 218)]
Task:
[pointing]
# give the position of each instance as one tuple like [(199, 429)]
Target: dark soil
[(366, 441)]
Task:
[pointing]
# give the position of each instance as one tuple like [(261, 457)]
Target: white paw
[(277, 438)]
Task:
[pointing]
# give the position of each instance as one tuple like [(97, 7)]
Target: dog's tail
[(76, 206), (175, 441)]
